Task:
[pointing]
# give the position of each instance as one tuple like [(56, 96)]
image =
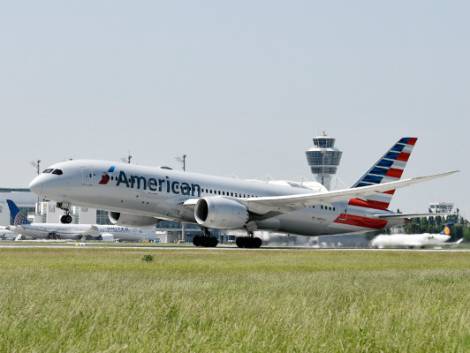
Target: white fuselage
[(160, 193), (6, 233), (79, 231), (409, 241)]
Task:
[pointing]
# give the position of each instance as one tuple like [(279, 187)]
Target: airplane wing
[(289, 203)]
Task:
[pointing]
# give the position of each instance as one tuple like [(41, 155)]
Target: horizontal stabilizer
[(407, 215)]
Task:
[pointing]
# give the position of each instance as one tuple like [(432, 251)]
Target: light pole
[(37, 165), (182, 160), (128, 159)]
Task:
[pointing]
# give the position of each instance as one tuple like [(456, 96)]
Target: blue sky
[(241, 87)]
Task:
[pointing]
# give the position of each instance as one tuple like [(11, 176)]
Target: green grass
[(109, 300)]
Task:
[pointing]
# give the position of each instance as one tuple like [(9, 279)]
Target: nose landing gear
[(66, 218)]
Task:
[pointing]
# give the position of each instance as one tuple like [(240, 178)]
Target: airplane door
[(87, 177)]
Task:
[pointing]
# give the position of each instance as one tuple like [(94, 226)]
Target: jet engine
[(221, 213), (124, 219)]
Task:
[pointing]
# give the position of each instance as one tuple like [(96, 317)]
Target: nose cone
[(36, 185), (43, 185)]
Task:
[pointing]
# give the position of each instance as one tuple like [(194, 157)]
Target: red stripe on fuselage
[(394, 173), (360, 221), (378, 205)]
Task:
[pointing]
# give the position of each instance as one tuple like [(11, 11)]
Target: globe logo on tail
[(447, 231), (105, 177)]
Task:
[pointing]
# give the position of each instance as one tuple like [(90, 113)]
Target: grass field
[(105, 300)]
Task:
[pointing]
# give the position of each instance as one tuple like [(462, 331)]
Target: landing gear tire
[(53, 236), (249, 242), (205, 241), (66, 219)]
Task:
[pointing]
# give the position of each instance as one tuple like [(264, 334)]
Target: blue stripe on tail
[(388, 168)]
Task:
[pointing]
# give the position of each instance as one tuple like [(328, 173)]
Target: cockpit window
[(57, 172), (47, 171)]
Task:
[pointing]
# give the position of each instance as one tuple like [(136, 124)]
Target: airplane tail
[(388, 168), (17, 216), (447, 230)]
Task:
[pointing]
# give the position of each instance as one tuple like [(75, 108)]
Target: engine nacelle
[(124, 219), (220, 213)]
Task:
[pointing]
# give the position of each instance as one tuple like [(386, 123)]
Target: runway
[(75, 246)]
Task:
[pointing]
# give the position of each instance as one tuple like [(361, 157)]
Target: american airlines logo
[(152, 184), (105, 177)]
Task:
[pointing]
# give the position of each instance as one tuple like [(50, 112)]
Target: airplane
[(143, 195), (21, 226), (6, 233), (415, 241)]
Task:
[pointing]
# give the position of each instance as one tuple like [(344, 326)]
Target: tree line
[(459, 226)]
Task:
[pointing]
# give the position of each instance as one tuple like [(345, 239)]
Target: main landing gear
[(205, 240), (249, 242), (66, 218), (53, 236)]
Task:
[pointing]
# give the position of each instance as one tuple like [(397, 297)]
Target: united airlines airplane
[(27, 230), (139, 195)]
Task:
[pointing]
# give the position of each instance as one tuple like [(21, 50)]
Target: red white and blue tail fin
[(17, 217), (388, 168)]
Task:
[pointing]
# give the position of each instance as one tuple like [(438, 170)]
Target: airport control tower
[(323, 159)]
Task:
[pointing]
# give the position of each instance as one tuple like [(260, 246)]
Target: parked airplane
[(6, 233), (139, 195), (415, 241), (73, 231)]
